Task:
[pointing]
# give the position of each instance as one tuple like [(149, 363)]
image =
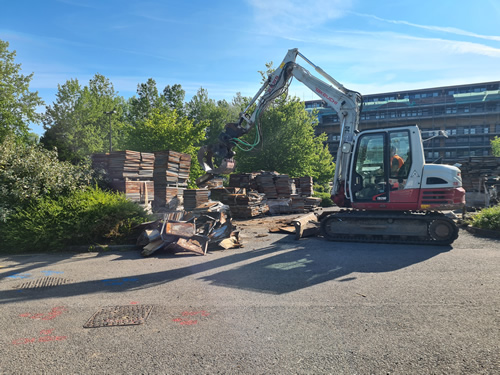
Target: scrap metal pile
[(209, 225)]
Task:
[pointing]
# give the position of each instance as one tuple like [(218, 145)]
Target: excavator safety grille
[(437, 197)]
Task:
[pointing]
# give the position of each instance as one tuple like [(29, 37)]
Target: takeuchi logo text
[(326, 96)]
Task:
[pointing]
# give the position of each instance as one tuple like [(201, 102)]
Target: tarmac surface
[(275, 306)]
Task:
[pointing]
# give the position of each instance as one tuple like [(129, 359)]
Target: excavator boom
[(345, 102)]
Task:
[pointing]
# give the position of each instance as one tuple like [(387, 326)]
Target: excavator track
[(420, 228)]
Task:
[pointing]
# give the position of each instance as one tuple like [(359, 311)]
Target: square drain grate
[(113, 316), (44, 282)]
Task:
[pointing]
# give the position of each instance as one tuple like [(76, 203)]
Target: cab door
[(380, 170), (370, 175), (400, 163)]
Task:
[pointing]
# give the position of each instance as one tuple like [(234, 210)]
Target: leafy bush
[(488, 218), (81, 217), (28, 172), (326, 199)]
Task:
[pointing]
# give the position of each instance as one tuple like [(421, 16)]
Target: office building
[(470, 115)]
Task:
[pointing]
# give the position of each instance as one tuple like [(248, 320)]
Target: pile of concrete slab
[(481, 180), (160, 177), (281, 193), (476, 170), (128, 171)]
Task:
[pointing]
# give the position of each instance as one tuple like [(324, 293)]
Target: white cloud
[(449, 30), (283, 15)]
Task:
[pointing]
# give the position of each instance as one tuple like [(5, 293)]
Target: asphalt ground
[(275, 306)]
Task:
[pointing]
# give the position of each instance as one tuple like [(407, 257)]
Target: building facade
[(469, 114)]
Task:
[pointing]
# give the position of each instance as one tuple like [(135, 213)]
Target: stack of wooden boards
[(282, 193), (194, 198), (171, 172), (161, 176), (242, 203), (476, 170), (129, 172)]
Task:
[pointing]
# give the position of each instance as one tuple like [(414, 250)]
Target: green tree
[(288, 144), (166, 130), (174, 97), (79, 121), (17, 103), (145, 101), (495, 146), (216, 114)]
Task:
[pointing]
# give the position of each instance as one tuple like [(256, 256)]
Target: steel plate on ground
[(112, 316)]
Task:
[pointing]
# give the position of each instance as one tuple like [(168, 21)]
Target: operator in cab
[(396, 161)]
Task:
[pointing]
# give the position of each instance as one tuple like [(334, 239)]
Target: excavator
[(386, 191)]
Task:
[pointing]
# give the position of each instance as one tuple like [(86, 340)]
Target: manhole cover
[(44, 282), (119, 316)]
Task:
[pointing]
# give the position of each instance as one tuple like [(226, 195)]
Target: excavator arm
[(345, 102)]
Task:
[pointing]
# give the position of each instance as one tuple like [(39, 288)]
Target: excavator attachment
[(211, 162)]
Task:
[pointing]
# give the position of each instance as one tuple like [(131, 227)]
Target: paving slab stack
[(476, 170), (280, 193), (170, 175), (128, 171), (160, 177), (194, 198)]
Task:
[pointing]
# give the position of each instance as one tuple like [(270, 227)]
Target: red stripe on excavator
[(418, 199)]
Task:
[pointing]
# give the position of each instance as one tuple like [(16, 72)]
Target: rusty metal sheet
[(180, 229), (196, 244)]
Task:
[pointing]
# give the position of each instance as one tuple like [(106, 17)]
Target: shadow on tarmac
[(282, 267)]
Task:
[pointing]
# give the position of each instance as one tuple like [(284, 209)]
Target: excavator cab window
[(370, 181), (399, 158), (382, 164)]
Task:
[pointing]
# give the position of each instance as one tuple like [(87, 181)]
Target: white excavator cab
[(388, 172)]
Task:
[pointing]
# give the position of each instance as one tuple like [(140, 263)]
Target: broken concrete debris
[(208, 225)]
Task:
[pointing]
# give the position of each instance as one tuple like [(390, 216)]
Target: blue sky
[(369, 46)]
